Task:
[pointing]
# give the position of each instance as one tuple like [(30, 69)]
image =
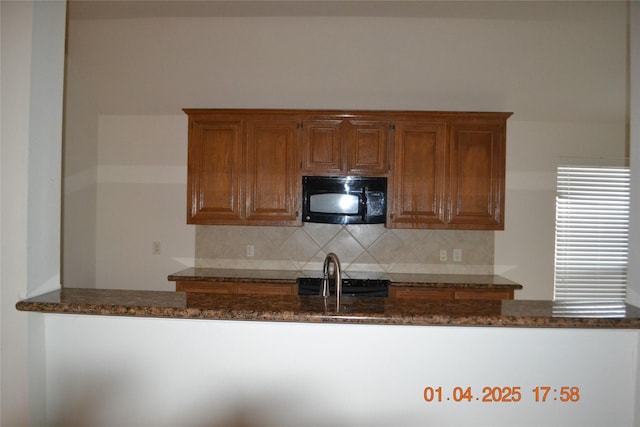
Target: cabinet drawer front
[(411, 292), (248, 288), (205, 287), (265, 289), (482, 294), (417, 293)]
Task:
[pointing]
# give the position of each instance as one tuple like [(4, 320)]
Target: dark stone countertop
[(362, 310), (397, 279)]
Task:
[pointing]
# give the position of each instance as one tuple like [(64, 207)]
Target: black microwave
[(344, 199)]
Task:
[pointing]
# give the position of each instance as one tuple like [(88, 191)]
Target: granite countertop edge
[(507, 313)]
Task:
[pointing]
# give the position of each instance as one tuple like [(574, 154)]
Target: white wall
[(16, 61), (80, 178), (45, 146), (561, 68), (633, 288), (32, 74), (105, 371), (141, 199)]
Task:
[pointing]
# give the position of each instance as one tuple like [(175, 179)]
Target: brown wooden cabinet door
[(367, 142), (322, 146), (215, 171), (272, 176), (418, 175), (341, 146), (476, 178)]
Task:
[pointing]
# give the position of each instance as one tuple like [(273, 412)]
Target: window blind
[(592, 229)]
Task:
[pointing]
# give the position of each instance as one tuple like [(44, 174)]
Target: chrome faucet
[(332, 258)]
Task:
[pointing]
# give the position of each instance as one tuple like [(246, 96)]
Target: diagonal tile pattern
[(359, 247)]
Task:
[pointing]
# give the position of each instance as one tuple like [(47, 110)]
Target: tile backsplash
[(359, 247)]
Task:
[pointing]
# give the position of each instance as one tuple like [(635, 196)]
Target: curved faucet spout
[(337, 273)]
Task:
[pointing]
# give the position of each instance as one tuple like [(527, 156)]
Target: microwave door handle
[(364, 204)]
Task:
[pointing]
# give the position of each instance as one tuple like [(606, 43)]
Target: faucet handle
[(324, 289)]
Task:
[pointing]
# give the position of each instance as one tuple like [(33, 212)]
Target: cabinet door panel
[(214, 179), (322, 146), (419, 175), (367, 147), (477, 175), (271, 180)]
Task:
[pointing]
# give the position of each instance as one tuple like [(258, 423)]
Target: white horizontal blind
[(592, 229), (588, 308)]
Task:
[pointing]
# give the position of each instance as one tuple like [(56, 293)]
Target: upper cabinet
[(448, 171), (216, 169), (419, 175), (445, 169), (476, 175), (242, 168), (339, 145)]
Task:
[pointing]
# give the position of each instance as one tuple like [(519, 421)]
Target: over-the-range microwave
[(344, 199)]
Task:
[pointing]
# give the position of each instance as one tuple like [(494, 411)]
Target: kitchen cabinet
[(215, 170), (448, 171), (335, 145), (271, 179), (238, 288), (476, 175), (242, 168), (418, 175), (403, 286), (451, 293), (287, 288)]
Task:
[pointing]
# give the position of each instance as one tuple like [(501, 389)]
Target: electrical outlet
[(250, 250), (443, 255), (156, 248), (457, 255)]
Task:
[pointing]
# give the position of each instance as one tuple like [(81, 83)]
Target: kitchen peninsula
[(314, 309), (188, 358)]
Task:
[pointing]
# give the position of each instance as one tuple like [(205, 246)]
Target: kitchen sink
[(350, 287)]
